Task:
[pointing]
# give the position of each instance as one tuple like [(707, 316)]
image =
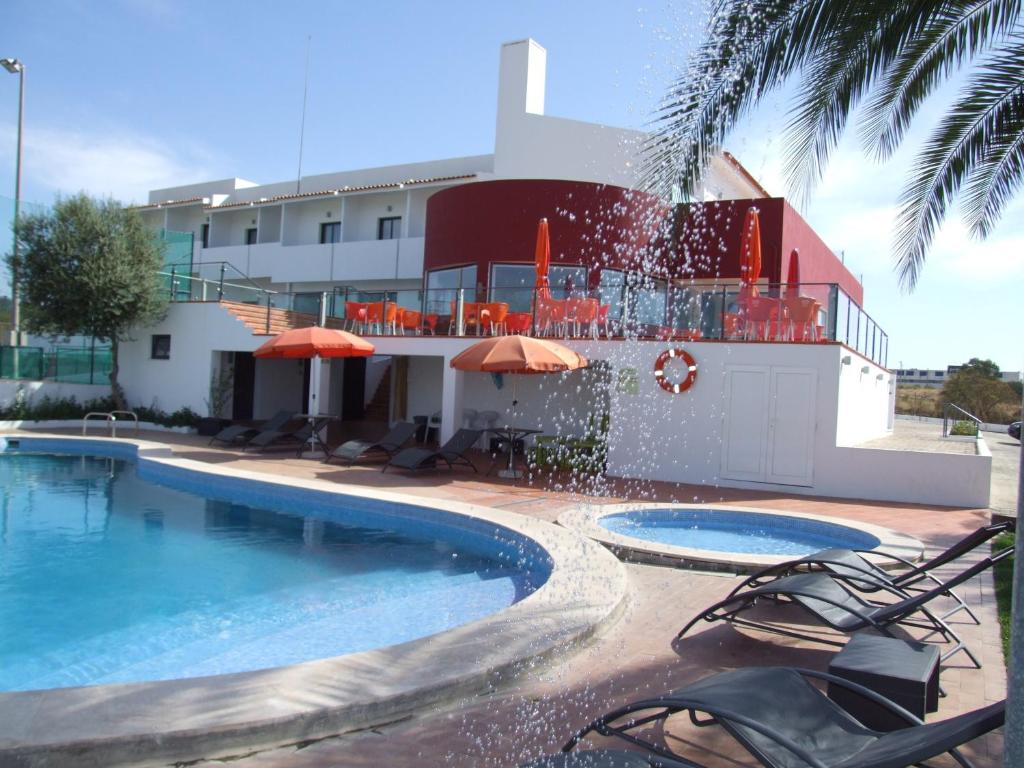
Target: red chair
[(411, 320), (355, 315), (550, 315), (518, 322), (602, 321), (497, 315), (803, 318), (430, 323), (761, 317)]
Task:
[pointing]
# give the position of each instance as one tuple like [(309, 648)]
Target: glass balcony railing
[(804, 313)]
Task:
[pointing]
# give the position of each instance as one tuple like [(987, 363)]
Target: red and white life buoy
[(691, 370)]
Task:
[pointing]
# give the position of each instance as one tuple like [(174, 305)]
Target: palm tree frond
[(954, 33), (959, 144)]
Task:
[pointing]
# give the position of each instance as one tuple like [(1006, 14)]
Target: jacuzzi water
[(727, 530), (108, 578)]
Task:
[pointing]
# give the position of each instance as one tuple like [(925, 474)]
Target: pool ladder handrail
[(111, 418)]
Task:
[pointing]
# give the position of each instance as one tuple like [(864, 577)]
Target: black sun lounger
[(287, 438), (237, 433), (451, 453), (855, 568), (824, 597), (783, 720), (391, 443)]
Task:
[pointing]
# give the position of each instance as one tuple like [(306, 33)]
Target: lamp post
[(16, 67)]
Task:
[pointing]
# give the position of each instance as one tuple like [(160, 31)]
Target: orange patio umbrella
[(542, 259), (793, 275), (750, 252), (314, 343), (518, 354)]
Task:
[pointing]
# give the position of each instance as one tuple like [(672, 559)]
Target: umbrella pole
[(313, 405)]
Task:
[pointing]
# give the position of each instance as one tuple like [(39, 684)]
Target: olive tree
[(90, 267)]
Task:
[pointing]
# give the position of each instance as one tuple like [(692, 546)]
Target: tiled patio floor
[(637, 656)]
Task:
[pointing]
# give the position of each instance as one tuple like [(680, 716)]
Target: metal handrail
[(111, 419), (948, 419)]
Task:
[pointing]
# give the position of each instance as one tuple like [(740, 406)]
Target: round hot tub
[(726, 537)]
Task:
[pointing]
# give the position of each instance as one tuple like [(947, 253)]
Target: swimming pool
[(109, 578), (727, 530), (737, 539), (572, 588)]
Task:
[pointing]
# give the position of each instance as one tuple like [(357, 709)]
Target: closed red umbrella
[(793, 275), (542, 259), (750, 252)]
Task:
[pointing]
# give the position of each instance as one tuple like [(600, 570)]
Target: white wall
[(278, 386), (196, 331), (424, 391), (228, 227), (302, 219), (864, 403), (363, 211)]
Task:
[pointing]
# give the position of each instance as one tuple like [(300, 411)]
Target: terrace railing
[(808, 312)]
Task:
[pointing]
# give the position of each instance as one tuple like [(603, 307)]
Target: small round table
[(510, 435)]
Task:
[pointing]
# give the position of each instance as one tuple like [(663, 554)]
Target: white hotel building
[(764, 412)]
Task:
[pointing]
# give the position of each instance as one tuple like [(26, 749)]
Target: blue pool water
[(724, 530), (106, 577)]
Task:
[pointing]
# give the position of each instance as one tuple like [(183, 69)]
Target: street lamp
[(16, 67)]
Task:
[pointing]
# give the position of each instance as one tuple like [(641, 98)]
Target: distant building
[(920, 377)]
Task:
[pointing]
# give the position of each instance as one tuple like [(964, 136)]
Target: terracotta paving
[(637, 656)]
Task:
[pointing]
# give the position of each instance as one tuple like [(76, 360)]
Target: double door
[(769, 424)]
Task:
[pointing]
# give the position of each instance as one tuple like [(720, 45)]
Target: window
[(250, 236), (514, 283), (204, 235), (330, 232), (389, 228), (442, 285), (160, 347)]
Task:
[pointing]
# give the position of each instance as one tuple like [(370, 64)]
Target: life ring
[(691, 370)]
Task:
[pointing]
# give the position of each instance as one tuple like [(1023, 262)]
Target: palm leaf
[(977, 137), (956, 32)]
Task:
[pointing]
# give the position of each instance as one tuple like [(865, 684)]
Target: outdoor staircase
[(254, 316), (378, 409)]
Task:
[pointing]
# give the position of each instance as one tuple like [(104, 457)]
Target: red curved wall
[(496, 221), (600, 225)]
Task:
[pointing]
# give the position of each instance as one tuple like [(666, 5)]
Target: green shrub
[(49, 408), (968, 428), (1003, 577)]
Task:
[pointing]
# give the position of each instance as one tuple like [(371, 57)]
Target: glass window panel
[(443, 286), (566, 281)]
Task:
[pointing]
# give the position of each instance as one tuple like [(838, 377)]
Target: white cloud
[(121, 165)]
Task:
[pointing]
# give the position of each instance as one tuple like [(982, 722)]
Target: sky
[(124, 96)]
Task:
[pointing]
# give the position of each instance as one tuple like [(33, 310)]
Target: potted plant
[(222, 382)]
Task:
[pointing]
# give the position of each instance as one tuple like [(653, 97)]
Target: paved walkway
[(1005, 472), (636, 657), (908, 435)]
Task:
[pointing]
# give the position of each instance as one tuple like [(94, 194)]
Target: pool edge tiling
[(208, 716), (633, 549)]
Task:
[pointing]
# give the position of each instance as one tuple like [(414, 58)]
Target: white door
[(769, 425), (791, 426), (745, 428)]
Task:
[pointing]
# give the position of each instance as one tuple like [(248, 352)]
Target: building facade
[(780, 402)]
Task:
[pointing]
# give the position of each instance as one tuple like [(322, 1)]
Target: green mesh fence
[(7, 233), (22, 363), (81, 365)]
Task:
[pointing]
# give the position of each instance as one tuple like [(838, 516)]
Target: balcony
[(808, 313), (400, 258)]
